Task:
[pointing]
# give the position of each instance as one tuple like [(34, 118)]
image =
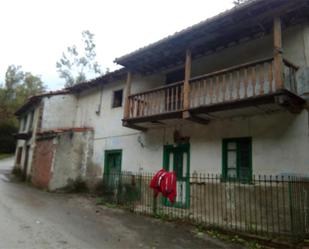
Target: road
[(35, 219)]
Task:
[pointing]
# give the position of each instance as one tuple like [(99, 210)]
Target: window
[(31, 120), (24, 123), (117, 98), (237, 159)]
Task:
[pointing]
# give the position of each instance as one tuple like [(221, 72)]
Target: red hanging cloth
[(164, 182)]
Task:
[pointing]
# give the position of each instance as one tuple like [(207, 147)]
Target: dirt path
[(30, 218)]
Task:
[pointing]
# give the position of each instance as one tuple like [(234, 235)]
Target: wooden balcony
[(215, 95), (23, 135)]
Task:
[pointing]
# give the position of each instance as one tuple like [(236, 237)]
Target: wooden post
[(278, 60), (127, 94), (186, 85)]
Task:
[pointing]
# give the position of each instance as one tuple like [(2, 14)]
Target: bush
[(77, 185), (7, 140), (80, 186), (18, 173), (99, 188)]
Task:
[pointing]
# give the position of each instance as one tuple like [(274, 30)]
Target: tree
[(32, 85), (238, 2), (74, 67), (17, 87), (7, 140), (13, 76)]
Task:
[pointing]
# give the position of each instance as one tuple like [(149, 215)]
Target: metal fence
[(268, 206)]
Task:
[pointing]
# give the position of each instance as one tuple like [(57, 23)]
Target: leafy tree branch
[(75, 66)]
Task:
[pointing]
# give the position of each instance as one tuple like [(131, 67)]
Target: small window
[(237, 159), (24, 123), (31, 120), (117, 98)]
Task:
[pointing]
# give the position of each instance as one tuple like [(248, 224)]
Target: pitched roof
[(104, 79), (249, 19), (33, 100)]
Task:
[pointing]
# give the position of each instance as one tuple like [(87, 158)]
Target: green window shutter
[(237, 159)]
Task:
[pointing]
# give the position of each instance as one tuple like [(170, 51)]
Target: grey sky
[(34, 33)]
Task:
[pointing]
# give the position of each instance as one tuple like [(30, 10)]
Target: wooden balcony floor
[(263, 104)]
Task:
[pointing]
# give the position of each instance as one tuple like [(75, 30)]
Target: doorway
[(177, 159), (112, 168)]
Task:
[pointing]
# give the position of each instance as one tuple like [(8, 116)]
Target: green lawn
[(3, 156)]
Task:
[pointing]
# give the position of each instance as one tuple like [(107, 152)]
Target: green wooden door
[(177, 158), (112, 168)]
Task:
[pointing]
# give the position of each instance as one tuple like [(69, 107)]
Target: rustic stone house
[(227, 96), (47, 140)]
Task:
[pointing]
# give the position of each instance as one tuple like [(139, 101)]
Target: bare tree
[(74, 66), (238, 2)]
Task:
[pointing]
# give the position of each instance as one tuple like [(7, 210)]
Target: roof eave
[(122, 60)]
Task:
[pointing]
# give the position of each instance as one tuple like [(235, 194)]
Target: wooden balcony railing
[(157, 101), (235, 83)]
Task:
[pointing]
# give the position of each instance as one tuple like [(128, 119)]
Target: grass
[(4, 155), (235, 239), (102, 201)]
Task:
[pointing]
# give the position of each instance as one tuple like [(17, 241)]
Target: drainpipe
[(186, 85)]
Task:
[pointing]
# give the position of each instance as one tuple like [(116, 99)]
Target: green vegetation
[(74, 66), (75, 186), (14, 91), (3, 156), (102, 201), (163, 216), (234, 239), (17, 172), (7, 141)]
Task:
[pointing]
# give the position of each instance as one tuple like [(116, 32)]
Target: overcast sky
[(34, 33)]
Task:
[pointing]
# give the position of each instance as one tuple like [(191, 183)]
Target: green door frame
[(106, 168), (224, 158), (172, 149)]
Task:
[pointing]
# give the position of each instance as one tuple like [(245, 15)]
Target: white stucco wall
[(280, 144), (59, 111), (306, 42), (107, 124), (280, 140), (70, 158)]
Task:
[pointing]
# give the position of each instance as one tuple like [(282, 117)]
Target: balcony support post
[(186, 85), (127, 94), (278, 59)]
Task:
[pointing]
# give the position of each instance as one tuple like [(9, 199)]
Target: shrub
[(7, 140), (79, 186)]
